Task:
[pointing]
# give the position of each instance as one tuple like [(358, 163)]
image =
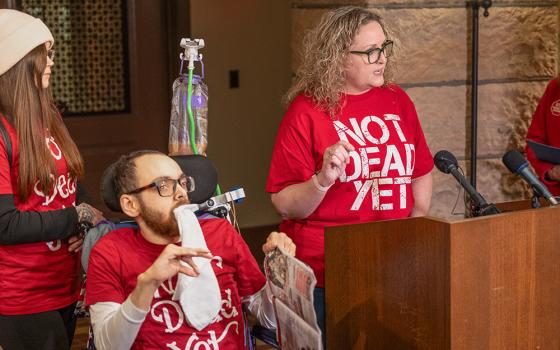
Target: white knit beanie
[(19, 34)]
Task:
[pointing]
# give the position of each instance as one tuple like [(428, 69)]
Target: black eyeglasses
[(50, 54), (374, 54), (167, 187)]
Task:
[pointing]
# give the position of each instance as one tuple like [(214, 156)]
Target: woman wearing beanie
[(39, 166)]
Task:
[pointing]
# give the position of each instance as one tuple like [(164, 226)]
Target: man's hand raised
[(167, 265)]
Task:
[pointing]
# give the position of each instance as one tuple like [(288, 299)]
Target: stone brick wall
[(518, 55)]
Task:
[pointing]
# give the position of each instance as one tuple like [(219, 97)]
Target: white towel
[(199, 296)]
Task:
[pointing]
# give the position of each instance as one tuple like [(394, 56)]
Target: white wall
[(252, 36)]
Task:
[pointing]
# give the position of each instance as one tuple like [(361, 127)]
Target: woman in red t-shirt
[(39, 259), (544, 129), (350, 147)]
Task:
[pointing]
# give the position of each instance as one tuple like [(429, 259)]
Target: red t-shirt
[(544, 129), (383, 126), (119, 257), (42, 276)]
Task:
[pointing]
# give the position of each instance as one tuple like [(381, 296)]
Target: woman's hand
[(300, 200), (335, 159), (75, 243), (88, 213)]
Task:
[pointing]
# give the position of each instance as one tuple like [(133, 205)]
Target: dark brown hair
[(30, 109), (124, 179)]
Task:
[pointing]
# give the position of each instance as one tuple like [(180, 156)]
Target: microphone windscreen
[(514, 161), (443, 159)]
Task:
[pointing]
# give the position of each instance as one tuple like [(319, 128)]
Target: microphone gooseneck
[(446, 162)]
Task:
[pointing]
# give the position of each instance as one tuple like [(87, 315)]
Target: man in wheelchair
[(133, 273)]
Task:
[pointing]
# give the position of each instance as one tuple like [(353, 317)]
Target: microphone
[(446, 162), (518, 165)]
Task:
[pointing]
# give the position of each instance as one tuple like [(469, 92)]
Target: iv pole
[(475, 4)]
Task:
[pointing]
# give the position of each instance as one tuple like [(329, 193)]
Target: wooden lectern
[(426, 283)]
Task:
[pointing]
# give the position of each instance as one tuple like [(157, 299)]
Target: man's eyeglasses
[(374, 54), (50, 54), (167, 187)]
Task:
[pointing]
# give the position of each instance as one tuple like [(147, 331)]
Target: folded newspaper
[(291, 283)]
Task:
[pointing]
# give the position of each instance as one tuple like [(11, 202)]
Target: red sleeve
[(537, 131), (248, 276), (103, 282), (292, 158), (5, 171), (423, 160)]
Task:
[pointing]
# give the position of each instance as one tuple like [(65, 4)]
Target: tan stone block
[(448, 3), (431, 44), (497, 184), (442, 113), (327, 3), (411, 3), (514, 43), (302, 21), (416, 3), (518, 42), (504, 114)]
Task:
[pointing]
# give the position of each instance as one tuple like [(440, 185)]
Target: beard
[(160, 224)]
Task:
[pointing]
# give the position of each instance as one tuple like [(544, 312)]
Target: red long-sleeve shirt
[(545, 129)]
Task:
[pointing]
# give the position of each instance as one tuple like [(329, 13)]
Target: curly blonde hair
[(321, 74)]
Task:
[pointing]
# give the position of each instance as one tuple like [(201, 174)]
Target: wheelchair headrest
[(199, 167)]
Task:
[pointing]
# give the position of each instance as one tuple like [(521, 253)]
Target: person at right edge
[(544, 129), (350, 148)]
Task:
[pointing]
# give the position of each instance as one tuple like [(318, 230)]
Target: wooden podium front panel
[(485, 283), (505, 281), (387, 285), (546, 301)]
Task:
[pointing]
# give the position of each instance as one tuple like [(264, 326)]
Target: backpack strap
[(7, 142)]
